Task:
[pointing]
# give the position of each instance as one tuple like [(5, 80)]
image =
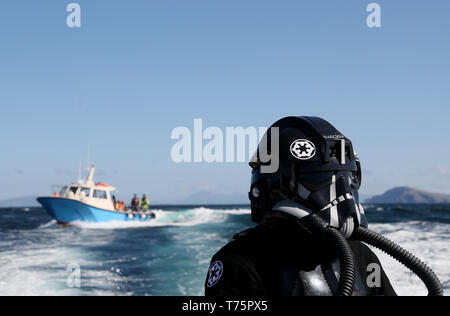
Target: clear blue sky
[(137, 69)]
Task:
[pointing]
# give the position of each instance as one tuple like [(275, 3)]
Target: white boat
[(88, 202)]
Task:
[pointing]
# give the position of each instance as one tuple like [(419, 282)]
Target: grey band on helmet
[(291, 208)]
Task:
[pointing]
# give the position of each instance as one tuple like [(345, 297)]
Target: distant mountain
[(210, 198), (24, 201), (409, 195)]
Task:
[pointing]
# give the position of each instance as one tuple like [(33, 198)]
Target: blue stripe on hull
[(66, 211)]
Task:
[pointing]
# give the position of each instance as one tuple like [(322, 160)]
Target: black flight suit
[(273, 260)]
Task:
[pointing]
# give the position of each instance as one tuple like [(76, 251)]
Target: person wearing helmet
[(310, 223)]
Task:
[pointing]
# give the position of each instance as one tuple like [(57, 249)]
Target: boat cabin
[(94, 194)]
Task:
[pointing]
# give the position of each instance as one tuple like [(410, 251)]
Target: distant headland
[(408, 195)]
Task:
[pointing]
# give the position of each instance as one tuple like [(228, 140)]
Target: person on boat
[(145, 203), (311, 226), (122, 205), (283, 255), (114, 202), (135, 203)]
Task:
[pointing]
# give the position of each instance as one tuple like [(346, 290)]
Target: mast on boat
[(90, 177)]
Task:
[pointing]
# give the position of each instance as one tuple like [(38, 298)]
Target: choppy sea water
[(170, 256)]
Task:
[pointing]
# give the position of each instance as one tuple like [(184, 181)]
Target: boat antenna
[(90, 178), (89, 156), (79, 170)]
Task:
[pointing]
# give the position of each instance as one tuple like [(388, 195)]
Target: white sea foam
[(50, 224), (190, 217), (29, 272), (35, 264), (32, 270), (429, 242)]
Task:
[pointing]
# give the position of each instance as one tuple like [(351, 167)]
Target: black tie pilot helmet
[(316, 183), (318, 170)]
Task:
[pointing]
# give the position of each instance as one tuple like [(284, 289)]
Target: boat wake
[(189, 217), (171, 254), (51, 224)]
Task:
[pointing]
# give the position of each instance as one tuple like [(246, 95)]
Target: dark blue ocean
[(171, 255)]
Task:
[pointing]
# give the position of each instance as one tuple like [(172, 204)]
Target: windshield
[(63, 191), (86, 192)]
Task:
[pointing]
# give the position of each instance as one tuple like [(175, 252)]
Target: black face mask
[(334, 197)]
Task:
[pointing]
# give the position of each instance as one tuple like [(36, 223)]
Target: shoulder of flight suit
[(235, 269), (242, 268)]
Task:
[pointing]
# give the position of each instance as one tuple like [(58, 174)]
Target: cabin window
[(74, 190), (63, 191), (86, 191), (100, 194)]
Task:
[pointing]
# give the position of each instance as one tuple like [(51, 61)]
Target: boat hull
[(65, 211)]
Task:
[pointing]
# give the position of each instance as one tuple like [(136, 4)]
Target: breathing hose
[(316, 225), (344, 253), (346, 260), (410, 261)]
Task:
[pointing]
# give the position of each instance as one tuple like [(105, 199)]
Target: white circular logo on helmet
[(215, 273), (303, 149)]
